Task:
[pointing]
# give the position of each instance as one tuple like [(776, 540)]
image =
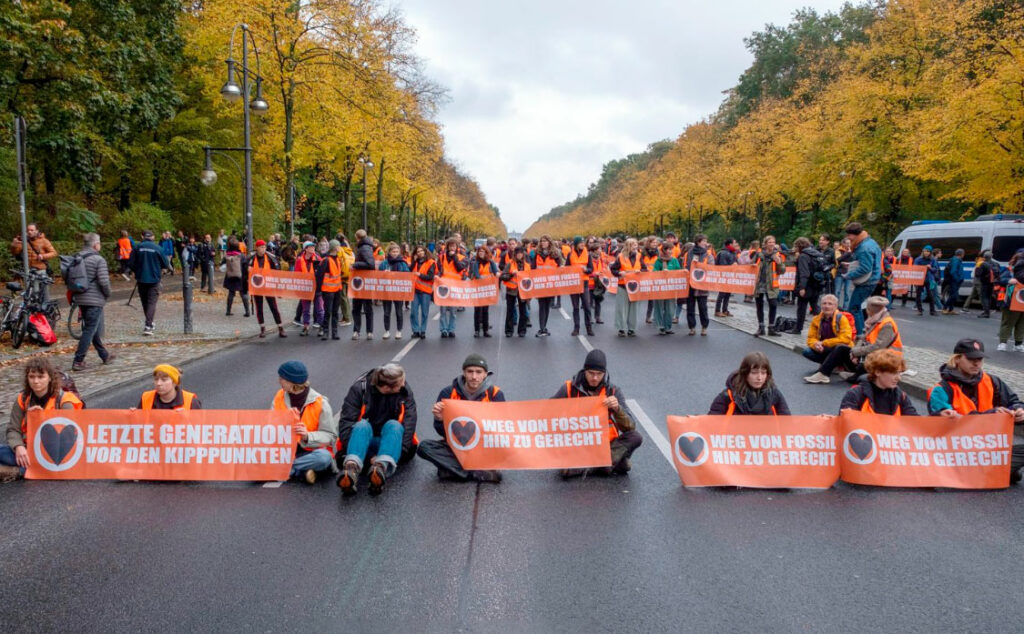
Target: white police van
[(1002, 234)]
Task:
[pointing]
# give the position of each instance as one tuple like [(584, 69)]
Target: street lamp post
[(366, 163)]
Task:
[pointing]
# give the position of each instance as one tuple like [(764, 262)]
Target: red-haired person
[(879, 392)]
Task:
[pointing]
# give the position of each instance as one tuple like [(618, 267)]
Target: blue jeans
[(447, 319), (92, 333), (857, 297), (420, 311), (362, 444), (317, 460), (842, 290), (7, 458)]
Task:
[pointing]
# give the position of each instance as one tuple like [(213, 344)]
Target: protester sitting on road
[(1012, 322), (829, 330), (167, 392), (882, 333), (965, 388), (378, 421), (475, 383), (879, 392), (42, 391), (314, 422), (593, 380), (751, 391)]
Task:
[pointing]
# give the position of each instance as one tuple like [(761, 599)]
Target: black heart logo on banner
[(526, 284), (58, 444), (691, 446), (606, 281), (256, 281), (442, 291), (861, 445), (1020, 295), (698, 275), (357, 283), (632, 287), (464, 431)]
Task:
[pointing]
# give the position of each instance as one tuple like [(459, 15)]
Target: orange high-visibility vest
[(51, 403), (962, 403), (613, 431), (579, 260), (513, 268), (256, 266), (124, 248), (424, 269), (649, 261), (866, 407), (545, 262), (897, 343), (626, 266), (303, 266), (332, 277), (149, 397), (484, 271), (599, 267), (486, 399), (565, 250), (448, 266), (310, 416), (732, 405)]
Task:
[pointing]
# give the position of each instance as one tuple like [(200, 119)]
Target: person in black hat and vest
[(315, 425), (593, 380), (476, 383)]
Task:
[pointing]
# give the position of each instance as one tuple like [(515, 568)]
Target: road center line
[(652, 430), (565, 315), (585, 342), (404, 351), (272, 485)]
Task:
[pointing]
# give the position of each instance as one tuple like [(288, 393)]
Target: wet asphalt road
[(532, 554)]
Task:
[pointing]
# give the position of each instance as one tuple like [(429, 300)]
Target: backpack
[(72, 269), (786, 324), (39, 330), (233, 266), (853, 323), (67, 384)]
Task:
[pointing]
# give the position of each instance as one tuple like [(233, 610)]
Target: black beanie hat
[(596, 361), (475, 360)]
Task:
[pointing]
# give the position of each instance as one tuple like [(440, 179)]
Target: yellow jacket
[(840, 325)]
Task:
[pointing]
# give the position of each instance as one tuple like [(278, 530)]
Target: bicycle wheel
[(20, 329), (75, 321)]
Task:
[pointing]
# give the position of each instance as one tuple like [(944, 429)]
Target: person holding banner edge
[(393, 261), (452, 265), (697, 302), (515, 306), (425, 268), (329, 273), (263, 261), (751, 391), (482, 268), (546, 256), (593, 380), (315, 426), (363, 308), (378, 421), (628, 261), (579, 256), (664, 308), (476, 383), (771, 266)]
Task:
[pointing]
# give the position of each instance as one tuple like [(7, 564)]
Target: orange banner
[(735, 278), (611, 283), (972, 452), (452, 292), (287, 284), (656, 285), (160, 445), (384, 285), (787, 281), (570, 433), (755, 451), (909, 274), (550, 282), (1017, 298)]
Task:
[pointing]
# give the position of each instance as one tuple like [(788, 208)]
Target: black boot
[(760, 331)]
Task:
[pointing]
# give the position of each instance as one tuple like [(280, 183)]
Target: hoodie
[(623, 418), (364, 255), (882, 401), (940, 398), (755, 403), (458, 386)]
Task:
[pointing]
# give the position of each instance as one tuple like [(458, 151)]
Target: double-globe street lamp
[(233, 92)]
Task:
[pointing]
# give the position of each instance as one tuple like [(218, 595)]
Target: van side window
[(1003, 247), (970, 245)]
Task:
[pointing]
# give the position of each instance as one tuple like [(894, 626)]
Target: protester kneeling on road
[(167, 392), (829, 331), (378, 421), (475, 383), (314, 421), (879, 392), (593, 380), (42, 391), (751, 391), (965, 389)]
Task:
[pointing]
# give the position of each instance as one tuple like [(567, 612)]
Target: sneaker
[(703, 332), (817, 377), (9, 474), (575, 333), (630, 333), (110, 359), (760, 331), (297, 322), (310, 476), (675, 320), (590, 332), (355, 336), (147, 331), (727, 314), (369, 336), (345, 323), (398, 335), (1001, 347), (387, 335), (772, 332), (691, 333), (349, 478), (622, 333), (1019, 348), (78, 366), (126, 278), (844, 375), (378, 478)]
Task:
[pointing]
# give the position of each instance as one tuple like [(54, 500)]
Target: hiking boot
[(590, 332), (623, 467), (78, 366), (772, 332), (110, 358), (378, 478), (263, 332), (575, 332), (760, 331), (309, 476), (487, 476), (817, 377), (10, 474), (691, 333), (349, 478)]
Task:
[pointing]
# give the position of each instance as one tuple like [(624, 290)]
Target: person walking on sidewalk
[(148, 264), (204, 258), (363, 308), (92, 301), (725, 257), (475, 383), (378, 422), (236, 275), (260, 262), (770, 267), (864, 272), (986, 273), (393, 261), (41, 391), (593, 380), (314, 422)]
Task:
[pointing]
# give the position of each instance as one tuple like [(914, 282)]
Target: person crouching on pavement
[(965, 388), (750, 391), (879, 392), (167, 392), (474, 384), (829, 340), (314, 421), (378, 421), (41, 391), (593, 380)]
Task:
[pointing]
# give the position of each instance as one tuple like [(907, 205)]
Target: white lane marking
[(405, 351), (652, 430), (437, 316), (565, 315), (586, 344), (272, 485)]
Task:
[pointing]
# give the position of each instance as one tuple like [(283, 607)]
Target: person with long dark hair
[(751, 391)]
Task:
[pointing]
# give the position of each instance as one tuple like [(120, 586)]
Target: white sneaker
[(387, 335), (844, 375), (1001, 347), (355, 336), (817, 377), (1019, 348), (369, 336), (398, 335)]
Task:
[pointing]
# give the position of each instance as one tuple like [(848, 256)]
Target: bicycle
[(16, 319), (75, 319)]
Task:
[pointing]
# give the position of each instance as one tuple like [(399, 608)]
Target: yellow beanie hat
[(170, 371)]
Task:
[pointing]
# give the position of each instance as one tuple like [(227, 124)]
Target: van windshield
[(970, 245), (1003, 247)]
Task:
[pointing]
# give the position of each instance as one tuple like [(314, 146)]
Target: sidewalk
[(922, 363), (136, 354)]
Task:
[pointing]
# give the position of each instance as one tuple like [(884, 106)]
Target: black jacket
[(882, 401), (380, 408), (759, 403), (579, 388), (725, 257), (364, 255), (492, 391), (805, 271)]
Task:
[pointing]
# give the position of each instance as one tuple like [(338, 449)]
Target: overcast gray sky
[(543, 93)]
